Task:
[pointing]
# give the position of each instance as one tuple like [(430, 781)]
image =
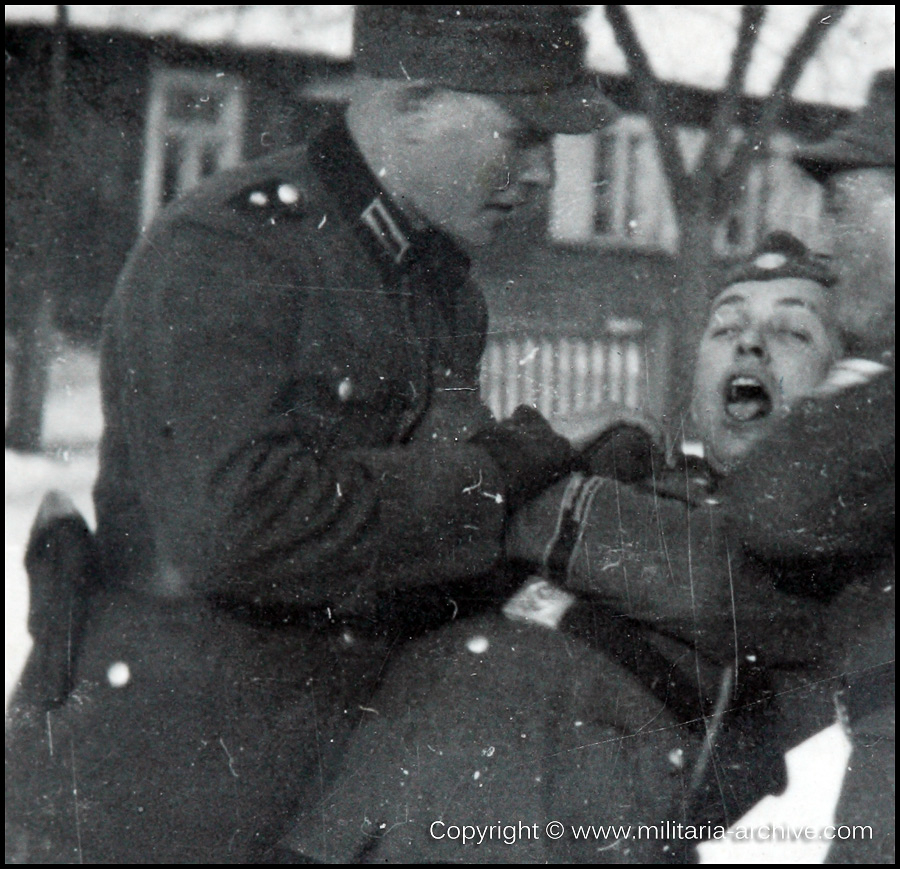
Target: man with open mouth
[(820, 488), (629, 682), (769, 340)]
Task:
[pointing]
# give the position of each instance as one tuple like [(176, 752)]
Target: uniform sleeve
[(253, 487), (334, 529), (821, 489), (670, 566), (652, 558)]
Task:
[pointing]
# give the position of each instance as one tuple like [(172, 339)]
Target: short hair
[(782, 256)]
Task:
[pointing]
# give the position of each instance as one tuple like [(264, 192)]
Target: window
[(610, 191), (194, 127)]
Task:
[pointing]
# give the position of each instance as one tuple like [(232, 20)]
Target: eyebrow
[(731, 299), (798, 303), (789, 301)]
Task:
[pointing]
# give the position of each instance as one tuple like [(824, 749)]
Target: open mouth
[(747, 399)]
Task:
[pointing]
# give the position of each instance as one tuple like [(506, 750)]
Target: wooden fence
[(562, 375)]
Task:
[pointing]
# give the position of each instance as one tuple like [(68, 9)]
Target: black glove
[(529, 453), (627, 452), (686, 478)]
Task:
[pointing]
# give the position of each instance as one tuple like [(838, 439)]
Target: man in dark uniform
[(820, 491), (647, 706), (296, 472)]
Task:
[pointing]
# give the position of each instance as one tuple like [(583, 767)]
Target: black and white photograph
[(450, 434)]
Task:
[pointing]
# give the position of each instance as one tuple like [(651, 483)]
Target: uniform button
[(118, 674), (478, 644), (345, 389), (289, 194), (257, 197)]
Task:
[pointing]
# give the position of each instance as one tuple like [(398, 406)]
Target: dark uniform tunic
[(820, 493), (289, 376), (648, 708)]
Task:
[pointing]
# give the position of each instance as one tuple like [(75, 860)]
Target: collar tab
[(385, 230)]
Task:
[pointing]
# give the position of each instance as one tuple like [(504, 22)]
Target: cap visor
[(579, 108)]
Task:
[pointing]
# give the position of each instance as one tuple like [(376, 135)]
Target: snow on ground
[(779, 824), (72, 425), (72, 428)]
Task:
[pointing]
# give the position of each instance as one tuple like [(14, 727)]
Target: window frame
[(224, 136), (574, 204)]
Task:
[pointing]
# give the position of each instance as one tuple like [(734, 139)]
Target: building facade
[(577, 288)]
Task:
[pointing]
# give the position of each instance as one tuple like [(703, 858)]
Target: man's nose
[(751, 342)]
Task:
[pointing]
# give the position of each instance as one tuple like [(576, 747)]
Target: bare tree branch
[(648, 89), (755, 141), (805, 47), (701, 197), (752, 18)]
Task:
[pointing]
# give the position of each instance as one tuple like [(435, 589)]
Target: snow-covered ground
[(72, 424), (72, 427)]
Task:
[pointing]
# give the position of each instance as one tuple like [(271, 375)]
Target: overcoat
[(820, 492), (647, 708), (286, 492), (780, 576)]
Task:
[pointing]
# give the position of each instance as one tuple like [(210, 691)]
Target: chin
[(480, 229), (732, 449)]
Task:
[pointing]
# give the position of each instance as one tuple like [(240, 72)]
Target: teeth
[(746, 398)]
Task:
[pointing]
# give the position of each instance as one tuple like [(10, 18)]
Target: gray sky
[(690, 44)]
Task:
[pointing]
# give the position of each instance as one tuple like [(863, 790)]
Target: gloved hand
[(529, 453), (627, 453), (616, 442)]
